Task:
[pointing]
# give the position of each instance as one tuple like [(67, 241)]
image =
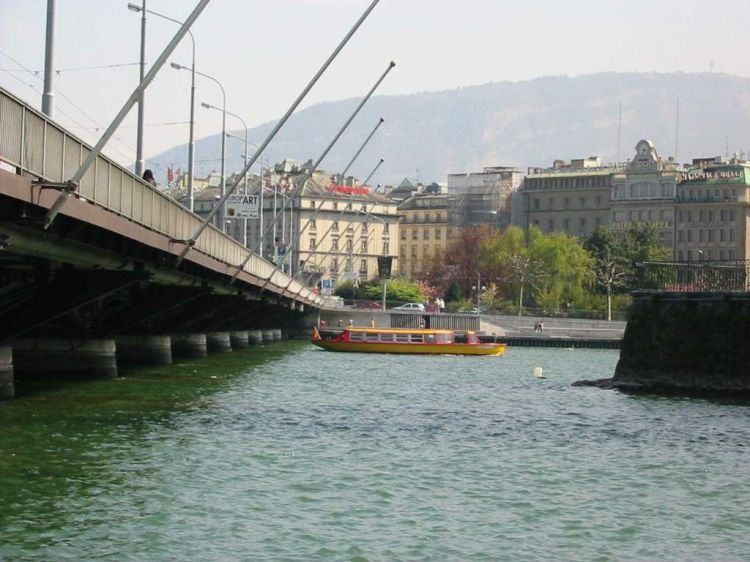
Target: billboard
[(242, 206)]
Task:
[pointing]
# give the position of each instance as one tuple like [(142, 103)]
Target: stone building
[(644, 192), (712, 211), (571, 197), (424, 231)]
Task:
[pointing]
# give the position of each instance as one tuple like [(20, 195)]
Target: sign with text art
[(384, 266), (242, 206)]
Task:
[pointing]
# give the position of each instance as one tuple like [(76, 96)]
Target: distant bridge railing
[(38, 146), (689, 277)]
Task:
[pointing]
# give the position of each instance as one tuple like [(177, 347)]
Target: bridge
[(104, 282)]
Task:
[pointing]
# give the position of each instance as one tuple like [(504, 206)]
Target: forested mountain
[(429, 135)]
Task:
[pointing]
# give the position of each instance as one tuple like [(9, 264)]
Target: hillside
[(524, 124)]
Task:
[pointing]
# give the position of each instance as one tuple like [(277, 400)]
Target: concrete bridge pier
[(255, 337), (7, 390), (218, 341), (239, 339), (58, 356), (148, 350), (189, 346), (276, 334), (267, 335)]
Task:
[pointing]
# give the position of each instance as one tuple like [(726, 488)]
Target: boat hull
[(492, 349)]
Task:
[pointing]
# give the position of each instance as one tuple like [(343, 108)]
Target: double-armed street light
[(191, 141), (222, 204)]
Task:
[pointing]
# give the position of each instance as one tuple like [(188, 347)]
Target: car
[(369, 305), (413, 306)]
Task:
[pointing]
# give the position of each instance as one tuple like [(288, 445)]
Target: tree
[(567, 268), (397, 290), (610, 268), (509, 254), (462, 256)]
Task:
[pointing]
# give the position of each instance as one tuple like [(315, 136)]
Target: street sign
[(242, 206), (326, 285)]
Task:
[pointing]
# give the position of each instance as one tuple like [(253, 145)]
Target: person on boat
[(351, 322), (341, 323)]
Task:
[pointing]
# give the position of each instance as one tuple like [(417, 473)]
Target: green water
[(287, 452)]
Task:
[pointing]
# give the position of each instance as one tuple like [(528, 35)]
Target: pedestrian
[(372, 322), (541, 326), (341, 323), (536, 327), (148, 176), (351, 322), (322, 323)]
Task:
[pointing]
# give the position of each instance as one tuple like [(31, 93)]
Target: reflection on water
[(289, 452)]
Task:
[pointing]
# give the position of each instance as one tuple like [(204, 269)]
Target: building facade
[(424, 232), (644, 193), (573, 197), (712, 211)]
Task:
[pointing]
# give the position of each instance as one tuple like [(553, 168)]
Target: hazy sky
[(264, 52)]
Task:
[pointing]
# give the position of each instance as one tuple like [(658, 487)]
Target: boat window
[(371, 336), (356, 336), (443, 338), (417, 338), (402, 338), (386, 337), (430, 338)]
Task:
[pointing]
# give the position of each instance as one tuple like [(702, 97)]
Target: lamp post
[(191, 141), (260, 202), (225, 134), (478, 288), (222, 207), (141, 99)]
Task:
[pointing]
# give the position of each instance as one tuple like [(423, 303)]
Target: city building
[(712, 211), (571, 197), (644, 192), (424, 231), (483, 197)]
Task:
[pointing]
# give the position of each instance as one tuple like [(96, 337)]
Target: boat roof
[(400, 330)]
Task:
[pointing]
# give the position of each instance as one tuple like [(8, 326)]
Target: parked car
[(369, 305), (413, 306)]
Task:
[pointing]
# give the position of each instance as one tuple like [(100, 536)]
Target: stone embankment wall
[(686, 342)]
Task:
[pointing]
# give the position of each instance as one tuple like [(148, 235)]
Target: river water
[(287, 452)]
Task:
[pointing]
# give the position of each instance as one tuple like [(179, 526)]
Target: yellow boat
[(405, 340)]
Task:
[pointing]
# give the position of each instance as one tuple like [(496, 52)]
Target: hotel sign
[(349, 190), (711, 176)]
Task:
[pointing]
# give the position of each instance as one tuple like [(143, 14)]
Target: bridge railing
[(690, 277), (38, 146)]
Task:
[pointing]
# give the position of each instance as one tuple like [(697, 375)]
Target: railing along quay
[(692, 277), (36, 145)]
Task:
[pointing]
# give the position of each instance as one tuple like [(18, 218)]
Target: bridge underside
[(97, 274)]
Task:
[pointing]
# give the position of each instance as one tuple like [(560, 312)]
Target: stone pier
[(276, 334), (7, 390), (218, 342), (239, 339), (189, 346), (255, 337), (51, 356), (267, 335), (144, 350)]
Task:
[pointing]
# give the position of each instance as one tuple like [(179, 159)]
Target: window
[(710, 235), (681, 236), (313, 224), (426, 234), (722, 235), (349, 245), (414, 251), (335, 225), (566, 203), (385, 248), (582, 224), (535, 203), (364, 246), (426, 251), (335, 206), (731, 235), (386, 338), (566, 225), (402, 251), (416, 338), (403, 234), (312, 204), (312, 243), (551, 203), (363, 265), (550, 225), (402, 338), (356, 336), (334, 264), (438, 234), (581, 202), (365, 226), (598, 202), (414, 234), (335, 244)]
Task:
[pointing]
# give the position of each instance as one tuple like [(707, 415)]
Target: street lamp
[(222, 208), (260, 202), (191, 141), (478, 288)]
